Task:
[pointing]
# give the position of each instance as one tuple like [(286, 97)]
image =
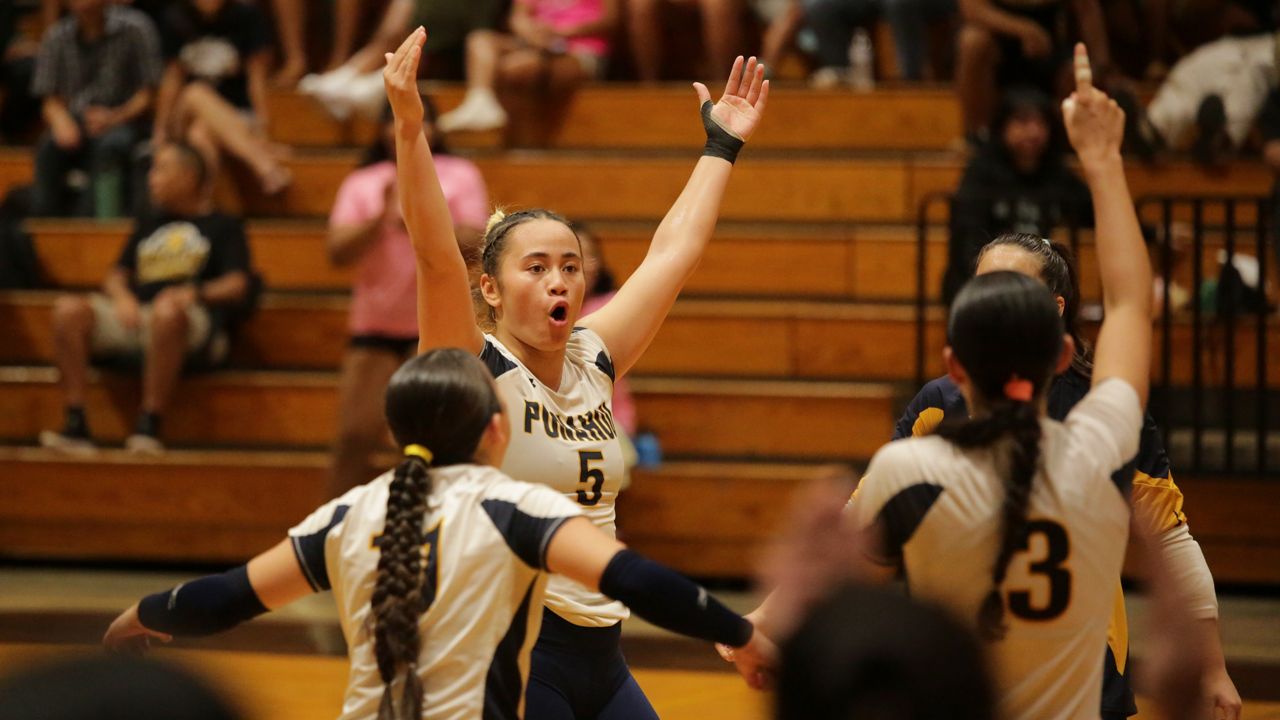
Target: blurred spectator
[(721, 33), (834, 22), (104, 687), (356, 86), (784, 20), (1016, 182), (1269, 125), (1209, 101), (96, 72), (170, 298), (18, 110), (601, 287), (214, 92), (291, 24), (1004, 43), (553, 43), (913, 662), (367, 231)]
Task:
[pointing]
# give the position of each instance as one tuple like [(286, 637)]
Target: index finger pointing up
[(1083, 71)]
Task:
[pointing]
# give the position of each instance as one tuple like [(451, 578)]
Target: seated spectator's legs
[(73, 322), (201, 108), (488, 52), (175, 326), (781, 33), (48, 198), (978, 56), (346, 20), (110, 156), (291, 19), (721, 32), (909, 20), (645, 34), (388, 36), (362, 427), (833, 23)]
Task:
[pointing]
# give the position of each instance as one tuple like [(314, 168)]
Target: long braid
[(1013, 428), (398, 599)]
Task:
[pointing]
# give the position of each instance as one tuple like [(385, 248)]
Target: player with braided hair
[(439, 567), (554, 373)]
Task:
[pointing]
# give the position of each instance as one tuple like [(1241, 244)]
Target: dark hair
[(194, 160), (442, 400), (1004, 325), (379, 152), (1058, 271), (1021, 99), (605, 282), (914, 662)]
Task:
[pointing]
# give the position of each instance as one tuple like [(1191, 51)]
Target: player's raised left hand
[(745, 94), (128, 635)]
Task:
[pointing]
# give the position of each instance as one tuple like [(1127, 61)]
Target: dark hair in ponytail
[(1060, 272), (1004, 327), (442, 400)]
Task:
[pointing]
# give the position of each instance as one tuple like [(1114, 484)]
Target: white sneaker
[(479, 111), (140, 444), (329, 89), (82, 447), (367, 95), (828, 78)]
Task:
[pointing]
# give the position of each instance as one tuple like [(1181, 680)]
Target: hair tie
[(1047, 242), (1019, 389), (419, 451)]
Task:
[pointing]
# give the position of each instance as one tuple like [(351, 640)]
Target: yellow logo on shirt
[(595, 425)]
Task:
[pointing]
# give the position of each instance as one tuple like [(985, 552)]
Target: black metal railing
[(1203, 389)]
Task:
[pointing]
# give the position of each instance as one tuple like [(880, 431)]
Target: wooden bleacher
[(793, 345)]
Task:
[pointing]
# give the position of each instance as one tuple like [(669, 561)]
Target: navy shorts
[(578, 673)]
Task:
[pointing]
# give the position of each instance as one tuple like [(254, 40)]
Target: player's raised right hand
[(400, 77)]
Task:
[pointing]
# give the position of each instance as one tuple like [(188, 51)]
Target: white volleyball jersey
[(487, 537), (938, 510), (566, 439)]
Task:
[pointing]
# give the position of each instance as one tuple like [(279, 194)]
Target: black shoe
[(1212, 144)]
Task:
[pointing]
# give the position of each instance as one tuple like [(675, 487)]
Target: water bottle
[(861, 62)]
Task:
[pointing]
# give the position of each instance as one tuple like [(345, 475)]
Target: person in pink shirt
[(559, 43), (367, 233)]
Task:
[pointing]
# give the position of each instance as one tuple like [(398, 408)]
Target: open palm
[(742, 105)]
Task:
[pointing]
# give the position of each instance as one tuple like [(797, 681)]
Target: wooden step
[(713, 338), (903, 119), (846, 262), (583, 186), (750, 419), (225, 506)]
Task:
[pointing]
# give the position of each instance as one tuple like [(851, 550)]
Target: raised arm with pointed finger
[(1095, 125), (632, 318), (445, 317)]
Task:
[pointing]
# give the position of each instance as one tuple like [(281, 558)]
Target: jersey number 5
[(590, 479), (1051, 568)]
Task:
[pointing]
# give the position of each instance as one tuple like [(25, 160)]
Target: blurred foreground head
[(867, 653), (109, 687)]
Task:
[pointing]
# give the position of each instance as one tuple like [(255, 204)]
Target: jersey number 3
[(1051, 568), (590, 479)]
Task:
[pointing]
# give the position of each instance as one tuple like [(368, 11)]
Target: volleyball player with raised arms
[(1011, 519), (556, 375), (439, 567)]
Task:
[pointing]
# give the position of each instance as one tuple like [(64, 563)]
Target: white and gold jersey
[(938, 509), (566, 439), (486, 543)]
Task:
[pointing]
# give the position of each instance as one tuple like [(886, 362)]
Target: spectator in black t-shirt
[(96, 74), (1016, 182), (214, 92), (167, 301)]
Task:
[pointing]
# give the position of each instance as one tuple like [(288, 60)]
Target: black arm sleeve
[(202, 607), (671, 601)]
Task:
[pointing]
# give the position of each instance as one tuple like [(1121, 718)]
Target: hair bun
[(499, 214)]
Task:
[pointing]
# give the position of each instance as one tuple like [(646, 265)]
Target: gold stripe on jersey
[(1157, 503), (1118, 631), (927, 421)]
